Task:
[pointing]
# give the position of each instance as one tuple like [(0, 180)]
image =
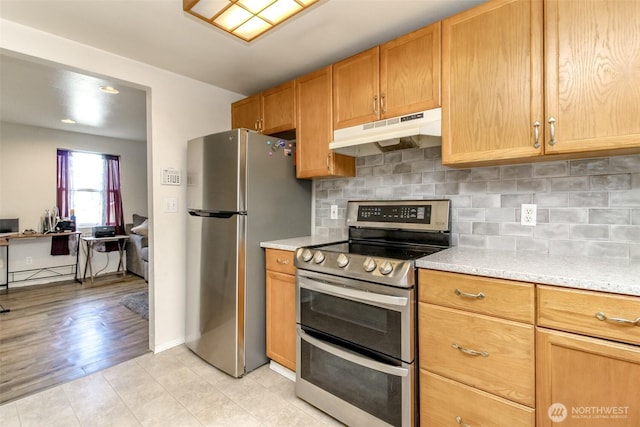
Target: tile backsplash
[(588, 207)]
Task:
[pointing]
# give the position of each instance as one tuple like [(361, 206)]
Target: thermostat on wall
[(171, 177)]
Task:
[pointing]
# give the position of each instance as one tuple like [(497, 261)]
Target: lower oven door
[(355, 389), (369, 315)]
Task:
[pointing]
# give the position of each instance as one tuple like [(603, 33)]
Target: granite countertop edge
[(296, 242), (620, 276)]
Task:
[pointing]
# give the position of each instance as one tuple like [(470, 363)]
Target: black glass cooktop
[(382, 250)]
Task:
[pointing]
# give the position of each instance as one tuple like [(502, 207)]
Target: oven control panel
[(408, 214), (432, 215)]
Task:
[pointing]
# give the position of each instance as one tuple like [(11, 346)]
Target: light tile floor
[(173, 388)]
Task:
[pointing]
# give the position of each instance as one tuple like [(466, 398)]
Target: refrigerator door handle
[(215, 214)]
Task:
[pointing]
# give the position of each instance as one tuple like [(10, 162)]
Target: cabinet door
[(314, 130), (278, 109), (492, 82), (355, 89), (246, 113), (410, 72), (281, 318), (584, 381), (592, 54)]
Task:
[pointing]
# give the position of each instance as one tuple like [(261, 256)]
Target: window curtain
[(113, 198), (61, 245), (63, 187)]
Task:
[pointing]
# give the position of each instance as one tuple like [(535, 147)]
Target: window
[(86, 194), (89, 183)]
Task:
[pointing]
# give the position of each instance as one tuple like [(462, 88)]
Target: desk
[(5, 241), (88, 246)]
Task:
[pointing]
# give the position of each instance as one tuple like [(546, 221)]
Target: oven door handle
[(353, 357), (354, 295)]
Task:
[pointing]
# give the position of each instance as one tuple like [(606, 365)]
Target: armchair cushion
[(137, 246), (141, 229)]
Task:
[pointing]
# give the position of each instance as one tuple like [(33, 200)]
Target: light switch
[(171, 205)]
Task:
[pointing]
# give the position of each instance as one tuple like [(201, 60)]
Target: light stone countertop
[(296, 242), (597, 274)]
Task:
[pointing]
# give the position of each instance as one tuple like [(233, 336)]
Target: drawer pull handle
[(601, 316), (462, 423), (458, 292), (282, 261), (469, 351)]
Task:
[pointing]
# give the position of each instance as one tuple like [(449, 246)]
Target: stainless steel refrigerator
[(241, 190)]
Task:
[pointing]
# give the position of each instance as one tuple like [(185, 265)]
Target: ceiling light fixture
[(109, 89), (245, 19), (68, 121)]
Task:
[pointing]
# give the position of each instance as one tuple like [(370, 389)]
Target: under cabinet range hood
[(417, 130)]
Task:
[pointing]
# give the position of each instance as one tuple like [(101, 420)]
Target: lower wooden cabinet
[(444, 402), (281, 308), (586, 382)]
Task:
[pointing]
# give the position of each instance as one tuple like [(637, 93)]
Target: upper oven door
[(367, 315)]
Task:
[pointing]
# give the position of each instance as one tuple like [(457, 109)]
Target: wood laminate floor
[(59, 332)]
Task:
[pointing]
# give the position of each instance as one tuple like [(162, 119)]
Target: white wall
[(28, 174), (28, 187), (178, 109)]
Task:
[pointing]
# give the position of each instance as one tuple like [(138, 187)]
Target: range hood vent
[(417, 130)]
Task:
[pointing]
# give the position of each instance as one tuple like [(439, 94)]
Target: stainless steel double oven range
[(356, 312)]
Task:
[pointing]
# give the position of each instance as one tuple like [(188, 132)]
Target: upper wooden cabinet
[(492, 82), (270, 112), (410, 72), (592, 86), (246, 113), (314, 129), (398, 77), (355, 89), (516, 89)]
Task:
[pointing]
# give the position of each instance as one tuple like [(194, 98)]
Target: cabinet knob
[(462, 423), (375, 105), (282, 261), (383, 108)]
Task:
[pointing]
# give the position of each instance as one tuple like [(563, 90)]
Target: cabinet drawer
[(442, 401), (281, 261), (591, 313), (495, 297), (449, 338)]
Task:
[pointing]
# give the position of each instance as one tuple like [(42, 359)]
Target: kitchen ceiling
[(159, 33)]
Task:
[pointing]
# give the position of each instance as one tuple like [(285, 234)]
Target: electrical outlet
[(29, 260), (334, 211), (528, 214)]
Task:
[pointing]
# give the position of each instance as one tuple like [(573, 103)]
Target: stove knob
[(342, 260), (369, 264), (318, 257), (307, 255), (386, 268)]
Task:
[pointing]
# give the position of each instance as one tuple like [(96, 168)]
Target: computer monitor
[(9, 225)]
